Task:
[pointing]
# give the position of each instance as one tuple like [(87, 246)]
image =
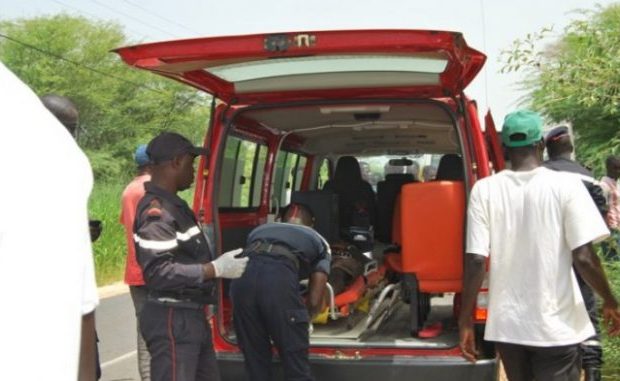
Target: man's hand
[(468, 341), (611, 318), (228, 266)]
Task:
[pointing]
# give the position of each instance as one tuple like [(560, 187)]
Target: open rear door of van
[(309, 65), (494, 145)]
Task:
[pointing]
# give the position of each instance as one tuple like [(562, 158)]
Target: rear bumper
[(419, 368)]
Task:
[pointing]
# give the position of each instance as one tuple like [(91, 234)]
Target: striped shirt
[(612, 193)]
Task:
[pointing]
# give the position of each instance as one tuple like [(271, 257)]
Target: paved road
[(116, 327)]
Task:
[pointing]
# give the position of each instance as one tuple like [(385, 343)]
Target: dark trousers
[(591, 350), (267, 306), (527, 363), (179, 342), (138, 296)]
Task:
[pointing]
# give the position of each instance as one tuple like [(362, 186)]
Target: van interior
[(412, 154)]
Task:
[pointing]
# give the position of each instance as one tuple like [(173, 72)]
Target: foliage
[(120, 107), (111, 247), (576, 79), (611, 347)]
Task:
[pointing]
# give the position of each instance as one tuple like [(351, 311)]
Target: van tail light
[(482, 304), (482, 301)]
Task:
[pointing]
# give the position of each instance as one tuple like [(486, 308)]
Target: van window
[(323, 174), (242, 173), (288, 176)]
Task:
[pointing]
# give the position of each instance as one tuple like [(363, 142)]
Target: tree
[(576, 79), (120, 107)]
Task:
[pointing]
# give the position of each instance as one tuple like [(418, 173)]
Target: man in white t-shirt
[(47, 281), (535, 223)]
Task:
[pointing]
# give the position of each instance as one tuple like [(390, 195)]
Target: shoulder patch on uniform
[(154, 209)]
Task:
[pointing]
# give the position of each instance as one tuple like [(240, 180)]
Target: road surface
[(116, 327)]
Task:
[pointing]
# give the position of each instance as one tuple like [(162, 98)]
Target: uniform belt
[(274, 250)]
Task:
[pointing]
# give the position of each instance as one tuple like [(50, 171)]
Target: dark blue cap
[(557, 133), (141, 157)]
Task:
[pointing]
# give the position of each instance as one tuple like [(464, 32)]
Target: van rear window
[(332, 71)]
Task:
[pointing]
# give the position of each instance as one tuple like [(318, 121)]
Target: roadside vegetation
[(120, 107)]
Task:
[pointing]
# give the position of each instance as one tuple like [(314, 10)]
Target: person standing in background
[(611, 189), (560, 149), (132, 194)]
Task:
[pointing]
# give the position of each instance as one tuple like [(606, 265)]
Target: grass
[(110, 249)]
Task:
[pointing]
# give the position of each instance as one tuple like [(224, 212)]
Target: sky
[(487, 25)]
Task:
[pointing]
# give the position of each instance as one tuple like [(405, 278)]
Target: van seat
[(432, 222), (324, 206), (387, 191)]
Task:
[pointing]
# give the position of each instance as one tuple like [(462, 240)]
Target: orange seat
[(432, 218)]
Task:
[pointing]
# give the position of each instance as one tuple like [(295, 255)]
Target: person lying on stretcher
[(348, 263)]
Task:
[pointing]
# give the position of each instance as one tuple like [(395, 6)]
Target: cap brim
[(198, 151)]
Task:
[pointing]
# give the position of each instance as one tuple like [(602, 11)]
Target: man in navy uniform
[(559, 149), (267, 304), (178, 268)]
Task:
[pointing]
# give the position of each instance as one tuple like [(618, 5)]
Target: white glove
[(227, 266)]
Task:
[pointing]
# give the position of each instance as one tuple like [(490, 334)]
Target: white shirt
[(47, 277), (530, 222)]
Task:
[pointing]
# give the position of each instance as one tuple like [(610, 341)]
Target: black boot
[(592, 374)]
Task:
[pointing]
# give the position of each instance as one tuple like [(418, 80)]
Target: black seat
[(356, 199), (324, 206), (450, 168), (387, 191)]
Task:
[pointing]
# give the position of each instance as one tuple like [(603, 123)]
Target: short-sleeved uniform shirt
[(530, 222), (310, 247)]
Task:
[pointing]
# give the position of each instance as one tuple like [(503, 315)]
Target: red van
[(285, 108)]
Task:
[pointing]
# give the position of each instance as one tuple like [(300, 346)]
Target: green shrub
[(611, 346), (110, 250)]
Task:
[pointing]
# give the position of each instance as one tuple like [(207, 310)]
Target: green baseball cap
[(522, 128)]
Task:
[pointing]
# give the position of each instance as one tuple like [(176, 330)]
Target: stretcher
[(356, 296)]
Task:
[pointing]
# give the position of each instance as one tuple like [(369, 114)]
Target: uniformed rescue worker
[(174, 256), (560, 148), (267, 304)]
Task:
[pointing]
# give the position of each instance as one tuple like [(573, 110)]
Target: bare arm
[(87, 369), (588, 265), (314, 302), (472, 281)]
